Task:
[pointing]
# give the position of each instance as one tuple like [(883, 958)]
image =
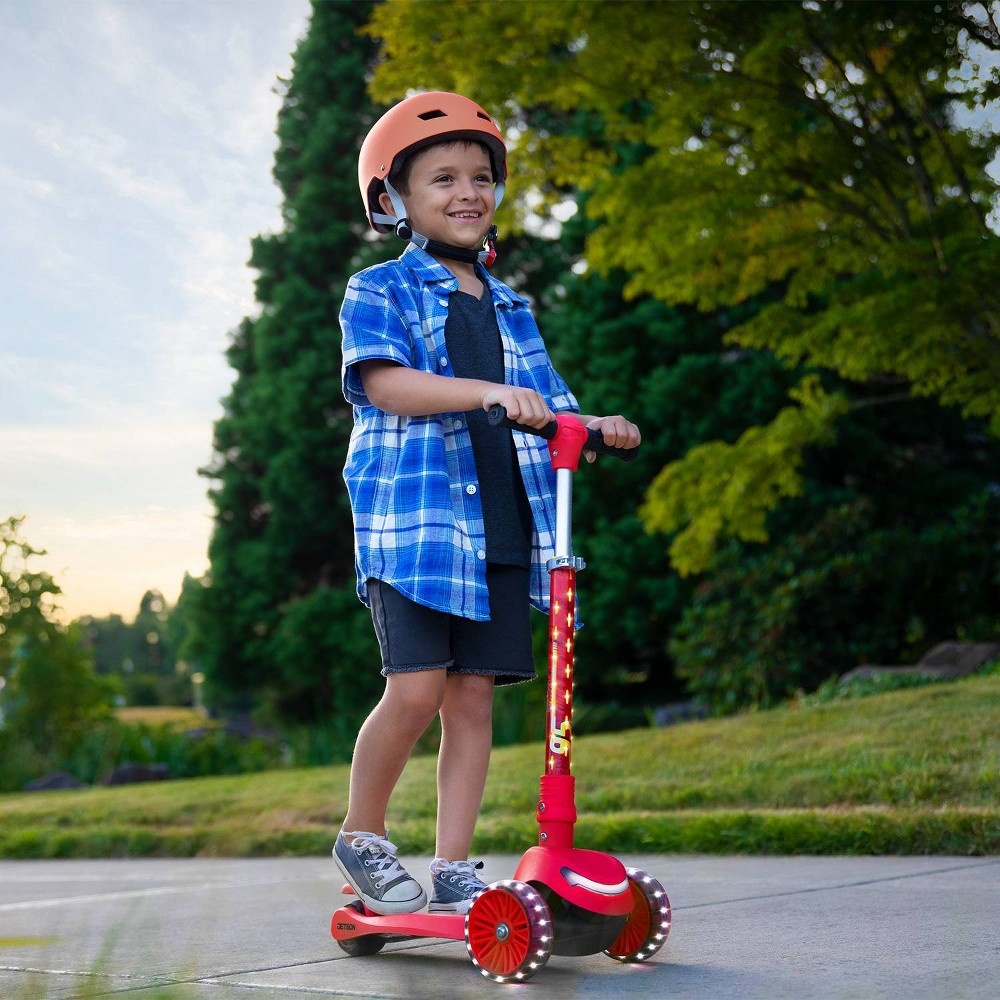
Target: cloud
[(136, 169)]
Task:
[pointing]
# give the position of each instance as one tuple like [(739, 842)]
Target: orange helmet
[(416, 122)]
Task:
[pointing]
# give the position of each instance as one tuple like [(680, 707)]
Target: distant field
[(154, 715), (907, 772)]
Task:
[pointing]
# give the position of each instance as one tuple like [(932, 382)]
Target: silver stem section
[(564, 514)]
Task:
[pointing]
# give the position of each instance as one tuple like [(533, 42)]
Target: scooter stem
[(556, 812), (556, 803)]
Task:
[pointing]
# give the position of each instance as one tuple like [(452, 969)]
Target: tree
[(141, 655), (276, 618), (26, 595), (108, 641), (809, 151), (49, 693)]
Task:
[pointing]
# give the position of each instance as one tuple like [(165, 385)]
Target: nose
[(467, 190)]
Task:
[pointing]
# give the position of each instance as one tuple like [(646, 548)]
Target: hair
[(399, 175)]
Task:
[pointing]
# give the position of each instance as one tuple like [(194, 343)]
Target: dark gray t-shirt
[(473, 341)]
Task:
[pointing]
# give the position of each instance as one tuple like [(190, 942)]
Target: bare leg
[(463, 761), (384, 744)]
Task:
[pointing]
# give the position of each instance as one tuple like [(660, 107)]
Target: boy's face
[(450, 194)]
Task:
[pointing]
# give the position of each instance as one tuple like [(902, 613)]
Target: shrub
[(844, 593), (213, 750)]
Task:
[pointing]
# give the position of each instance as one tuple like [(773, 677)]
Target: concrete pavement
[(209, 929)]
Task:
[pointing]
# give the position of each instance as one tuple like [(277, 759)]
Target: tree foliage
[(49, 693), (659, 365), (762, 627), (808, 152), (26, 595), (142, 654), (730, 489)]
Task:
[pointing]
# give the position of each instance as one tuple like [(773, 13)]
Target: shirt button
[(443, 362), (470, 489), (458, 425), (481, 554)]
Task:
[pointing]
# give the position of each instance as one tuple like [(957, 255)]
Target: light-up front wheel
[(508, 932)]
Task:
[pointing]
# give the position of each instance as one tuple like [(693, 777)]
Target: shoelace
[(462, 872), (383, 857)]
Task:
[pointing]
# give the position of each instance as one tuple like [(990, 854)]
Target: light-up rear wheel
[(648, 924), (508, 932)]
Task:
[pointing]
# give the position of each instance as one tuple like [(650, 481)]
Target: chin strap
[(486, 256)]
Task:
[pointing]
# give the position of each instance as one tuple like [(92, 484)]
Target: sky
[(136, 145)]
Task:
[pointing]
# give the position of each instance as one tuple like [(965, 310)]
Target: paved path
[(743, 927)]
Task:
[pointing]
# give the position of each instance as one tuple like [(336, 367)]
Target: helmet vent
[(428, 115), (484, 116)]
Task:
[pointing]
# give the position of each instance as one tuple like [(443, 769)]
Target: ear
[(386, 204)]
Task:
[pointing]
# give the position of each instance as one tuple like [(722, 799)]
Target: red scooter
[(562, 900)]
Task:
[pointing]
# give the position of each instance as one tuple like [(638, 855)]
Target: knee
[(469, 702), (414, 700)]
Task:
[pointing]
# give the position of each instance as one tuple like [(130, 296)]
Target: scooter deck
[(355, 921)]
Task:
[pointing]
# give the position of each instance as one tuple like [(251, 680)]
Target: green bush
[(51, 700), (844, 593), (109, 744), (187, 755)]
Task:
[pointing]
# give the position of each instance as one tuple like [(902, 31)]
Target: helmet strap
[(397, 202), (486, 256)]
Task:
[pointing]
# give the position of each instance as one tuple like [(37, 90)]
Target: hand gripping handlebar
[(567, 437)]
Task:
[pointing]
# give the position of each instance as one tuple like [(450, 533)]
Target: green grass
[(906, 772)]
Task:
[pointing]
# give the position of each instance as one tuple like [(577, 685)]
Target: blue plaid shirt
[(418, 522)]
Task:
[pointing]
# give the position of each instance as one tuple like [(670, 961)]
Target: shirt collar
[(428, 271)]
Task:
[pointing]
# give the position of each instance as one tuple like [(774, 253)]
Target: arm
[(410, 393)]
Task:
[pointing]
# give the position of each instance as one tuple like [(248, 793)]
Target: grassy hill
[(907, 772)]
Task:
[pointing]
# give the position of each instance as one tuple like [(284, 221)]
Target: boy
[(453, 519)]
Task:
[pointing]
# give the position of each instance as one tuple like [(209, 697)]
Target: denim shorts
[(413, 637)]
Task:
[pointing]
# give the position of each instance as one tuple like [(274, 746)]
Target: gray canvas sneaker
[(370, 865), (455, 885)]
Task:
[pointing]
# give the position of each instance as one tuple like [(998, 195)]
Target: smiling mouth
[(466, 216)]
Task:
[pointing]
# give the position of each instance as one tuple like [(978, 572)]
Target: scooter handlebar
[(497, 417)]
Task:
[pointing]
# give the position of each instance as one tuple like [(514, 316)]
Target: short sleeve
[(373, 328)]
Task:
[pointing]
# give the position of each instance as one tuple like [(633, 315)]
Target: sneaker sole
[(461, 908)]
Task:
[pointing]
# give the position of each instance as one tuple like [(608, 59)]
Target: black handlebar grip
[(497, 417), (595, 442)]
